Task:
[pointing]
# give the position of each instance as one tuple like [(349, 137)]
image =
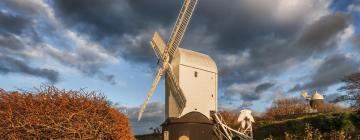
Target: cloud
[(10, 43), (246, 92), (11, 65), (153, 116), (250, 40), (263, 87), (322, 30), (123, 27), (72, 49), (330, 72), (357, 41), (240, 35), (12, 23), (331, 97)]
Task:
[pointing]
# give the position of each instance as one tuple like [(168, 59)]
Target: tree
[(352, 89), (294, 107), (50, 113), (230, 118), (287, 107)]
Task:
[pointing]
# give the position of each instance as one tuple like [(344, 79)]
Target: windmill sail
[(151, 92), (181, 26), (158, 45), (176, 90), (166, 51)]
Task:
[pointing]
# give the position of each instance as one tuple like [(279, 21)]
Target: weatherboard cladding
[(197, 76)]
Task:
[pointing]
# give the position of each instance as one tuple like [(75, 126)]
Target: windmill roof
[(196, 60), (317, 96)]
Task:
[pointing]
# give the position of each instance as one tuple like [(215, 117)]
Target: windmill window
[(195, 73)]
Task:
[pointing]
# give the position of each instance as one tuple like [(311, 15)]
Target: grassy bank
[(344, 125), (325, 124)]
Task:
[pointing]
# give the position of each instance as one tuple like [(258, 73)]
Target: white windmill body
[(246, 120), (191, 89), (197, 77)]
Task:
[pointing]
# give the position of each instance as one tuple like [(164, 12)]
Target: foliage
[(293, 107), (289, 136), (269, 138), (312, 133), (313, 127), (352, 88), (50, 113), (286, 108), (231, 119)]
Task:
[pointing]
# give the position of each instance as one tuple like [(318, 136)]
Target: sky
[(264, 49)]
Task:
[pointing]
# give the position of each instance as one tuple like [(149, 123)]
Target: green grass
[(149, 137), (324, 122)]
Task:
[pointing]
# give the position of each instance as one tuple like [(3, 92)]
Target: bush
[(50, 113), (231, 119), (323, 126), (289, 108), (286, 108)]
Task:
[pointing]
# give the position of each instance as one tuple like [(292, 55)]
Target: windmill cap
[(196, 60), (317, 96)]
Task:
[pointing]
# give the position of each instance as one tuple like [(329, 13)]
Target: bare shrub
[(283, 108), (231, 119), (352, 88), (293, 107)]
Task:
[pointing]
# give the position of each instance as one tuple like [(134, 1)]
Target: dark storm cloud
[(273, 42), (322, 30), (86, 61), (153, 117), (245, 38), (264, 87), (331, 97), (12, 23), (295, 88), (245, 92), (11, 65), (250, 96), (109, 21), (330, 72), (24, 7), (20, 35), (357, 41), (109, 17), (238, 24), (124, 27), (13, 28), (136, 19), (108, 78), (271, 57), (272, 54), (10, 42)]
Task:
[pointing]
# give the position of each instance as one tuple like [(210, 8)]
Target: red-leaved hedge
[(50, 113)]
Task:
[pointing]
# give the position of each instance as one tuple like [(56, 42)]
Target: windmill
[(246, 119), (165, 53), (316, 100), (191, 87)]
